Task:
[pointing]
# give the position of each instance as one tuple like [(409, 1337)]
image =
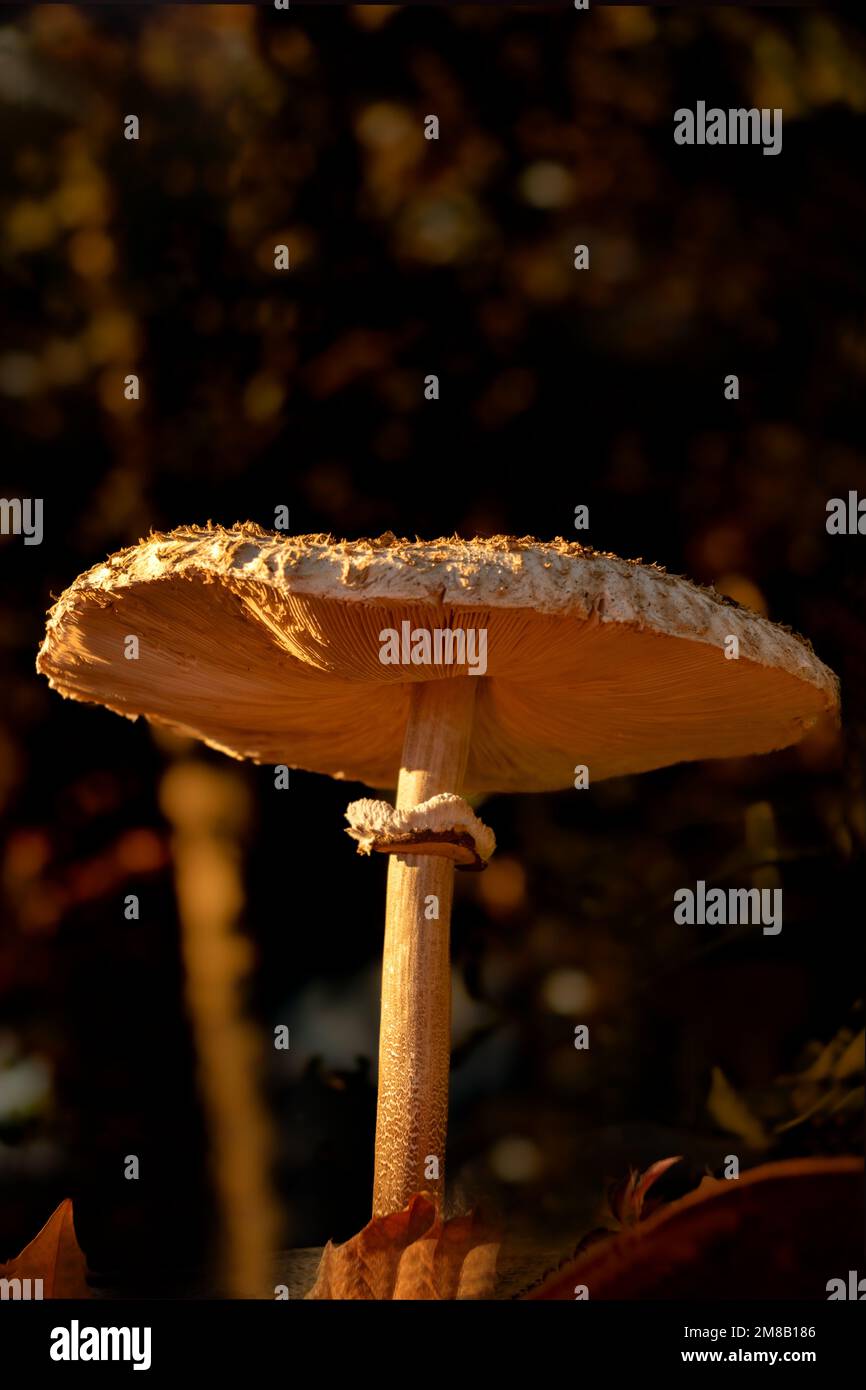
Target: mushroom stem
[(415, 1031)]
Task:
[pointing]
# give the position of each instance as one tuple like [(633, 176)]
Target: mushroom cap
[(268, 646)]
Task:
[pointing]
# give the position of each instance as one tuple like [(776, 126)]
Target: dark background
[(305, 389)]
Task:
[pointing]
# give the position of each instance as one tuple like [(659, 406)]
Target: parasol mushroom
[(330, 656)]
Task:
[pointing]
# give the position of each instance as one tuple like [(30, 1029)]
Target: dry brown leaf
[(55, 1257), (778, 1231), (627, 1198), (412, 1254)]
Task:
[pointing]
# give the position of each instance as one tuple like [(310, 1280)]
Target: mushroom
[(282, 650)]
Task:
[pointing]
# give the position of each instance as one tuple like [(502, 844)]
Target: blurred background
[(305, 389)]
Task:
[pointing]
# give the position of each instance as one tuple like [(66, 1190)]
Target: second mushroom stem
[(415, 1030)]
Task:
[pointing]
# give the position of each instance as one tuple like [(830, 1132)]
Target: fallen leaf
[(54, 1256), (779, 1231), (412, 1254), (842, 1056), (732, 1114), (828, 1084), (627, 1198), (851, 1062)]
